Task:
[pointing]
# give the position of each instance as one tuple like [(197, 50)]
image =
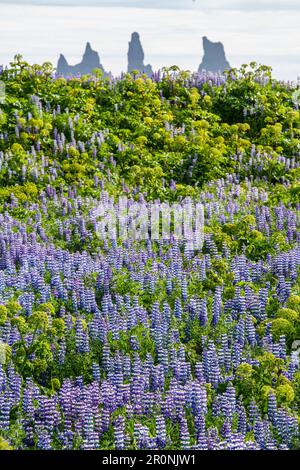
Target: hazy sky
[(171, 31)]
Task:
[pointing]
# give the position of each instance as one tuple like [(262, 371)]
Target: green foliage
[(296, 385), (245, 381), (269, 370), (294, 303), (4, 445), (285, 394), (3, 314), (282, 327), (154, 134), (135, 115), (288, 314)]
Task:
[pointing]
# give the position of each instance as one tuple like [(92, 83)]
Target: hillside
[(149, 345)]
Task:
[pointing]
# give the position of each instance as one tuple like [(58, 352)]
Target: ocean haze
[(41, 32)]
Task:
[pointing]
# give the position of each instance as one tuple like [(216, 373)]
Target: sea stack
[(136, 56), (90, 61), (214, 59), (62, 66)]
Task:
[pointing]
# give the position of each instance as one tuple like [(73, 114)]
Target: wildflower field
[(113, 344)]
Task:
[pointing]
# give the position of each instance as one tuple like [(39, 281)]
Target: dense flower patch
[(124, 344)]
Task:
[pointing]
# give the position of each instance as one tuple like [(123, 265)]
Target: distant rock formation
[(136, 56), (214, 59), (90, 61)]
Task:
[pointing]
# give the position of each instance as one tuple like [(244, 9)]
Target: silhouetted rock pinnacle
[(136, 56), (62, 65), (90, 61), (214, 59)]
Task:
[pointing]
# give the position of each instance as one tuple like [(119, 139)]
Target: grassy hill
[(111, 344)]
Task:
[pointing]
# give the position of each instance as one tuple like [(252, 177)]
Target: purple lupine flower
[(119, 432)]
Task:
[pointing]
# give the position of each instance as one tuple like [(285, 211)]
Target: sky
[(171, 31), (248, 5)]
